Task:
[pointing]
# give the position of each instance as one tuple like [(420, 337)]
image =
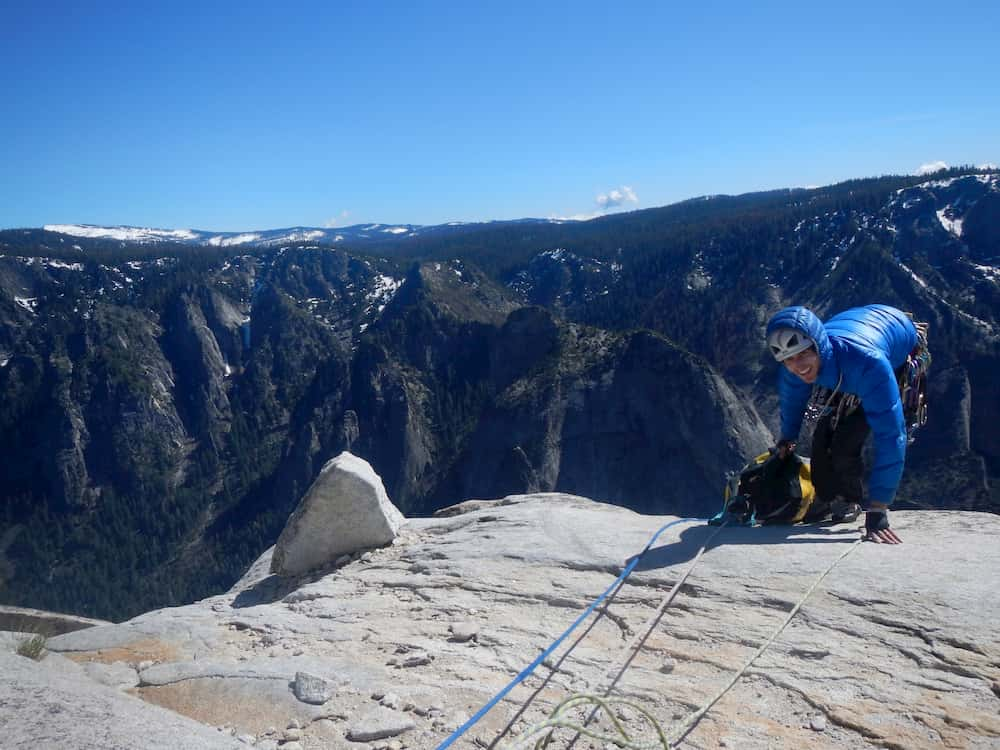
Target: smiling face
[(804, 365)]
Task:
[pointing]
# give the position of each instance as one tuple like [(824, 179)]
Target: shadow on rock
[(266, 591), (692, 538)]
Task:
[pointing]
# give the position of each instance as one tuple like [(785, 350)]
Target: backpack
[(770, 490)]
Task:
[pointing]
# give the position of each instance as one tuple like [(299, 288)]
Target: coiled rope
[(547, 652), (665, 740)]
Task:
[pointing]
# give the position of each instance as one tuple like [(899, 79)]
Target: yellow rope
[(558, 719)]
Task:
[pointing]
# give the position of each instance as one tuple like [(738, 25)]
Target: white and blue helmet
[(787, 342)]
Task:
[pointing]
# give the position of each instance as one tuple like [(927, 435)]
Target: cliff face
[(599, 414), (896, 646)]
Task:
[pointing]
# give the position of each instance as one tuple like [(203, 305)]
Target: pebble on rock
[(462, 632), (390, 700), (418, 659), (818, 723)]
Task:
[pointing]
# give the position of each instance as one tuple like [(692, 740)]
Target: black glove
[(784, 448), (876, 520)]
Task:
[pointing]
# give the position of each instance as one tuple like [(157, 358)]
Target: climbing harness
[(560, 716), (825, 402)]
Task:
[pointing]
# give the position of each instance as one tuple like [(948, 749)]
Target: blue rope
[(542, 656)]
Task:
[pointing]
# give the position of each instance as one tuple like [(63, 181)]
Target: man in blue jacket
[(853, 356)]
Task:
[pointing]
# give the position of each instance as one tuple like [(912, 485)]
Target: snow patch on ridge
[(952, 225), (914, 276), (383, 290), (305, 235), (990, 272), (61, 264), (28, 303), (239, 239), (126, 234)]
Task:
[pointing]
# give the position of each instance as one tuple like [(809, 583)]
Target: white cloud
[(617, 197), (341, 218), (934, 166), (988, 165), (606, 203)]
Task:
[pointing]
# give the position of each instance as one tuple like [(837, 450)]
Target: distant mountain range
[(356, 234)]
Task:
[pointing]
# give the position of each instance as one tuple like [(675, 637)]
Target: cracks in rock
[(965, 646), (929, 637), (831, 714), (582, 567), (626, 631), (944, 665), (809, 654), (213, 676)]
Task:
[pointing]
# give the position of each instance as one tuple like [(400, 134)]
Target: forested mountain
[(165, 403)]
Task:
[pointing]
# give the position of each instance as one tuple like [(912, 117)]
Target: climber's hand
[(877, 528), (784, 448)]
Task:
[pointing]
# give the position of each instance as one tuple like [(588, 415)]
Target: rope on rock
[(555, 644), (665, 741)]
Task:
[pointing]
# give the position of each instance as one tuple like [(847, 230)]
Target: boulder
[(345, 510), (312, 689)]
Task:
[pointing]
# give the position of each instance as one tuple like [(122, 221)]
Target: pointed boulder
[(345, 510)]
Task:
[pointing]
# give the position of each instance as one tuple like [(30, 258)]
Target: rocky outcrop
[(54, 706), (201, 370), (26, 620), (345, 510), (603, 416), (896, 647)]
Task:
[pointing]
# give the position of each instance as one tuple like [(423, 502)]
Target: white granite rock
[(60, 709), (117, 675), (379, 723), (898, 646), (345, 510)]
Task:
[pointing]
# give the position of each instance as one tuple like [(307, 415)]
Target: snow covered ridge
[(124, 234), (262, 238), (358, 233)]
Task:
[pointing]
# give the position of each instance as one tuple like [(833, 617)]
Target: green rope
[(559, 720)]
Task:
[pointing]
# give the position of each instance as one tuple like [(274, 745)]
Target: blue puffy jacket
[(859, 350)]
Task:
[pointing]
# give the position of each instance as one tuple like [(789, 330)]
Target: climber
[(853, 357)]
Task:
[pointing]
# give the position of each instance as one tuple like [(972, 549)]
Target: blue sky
[(237, 116)]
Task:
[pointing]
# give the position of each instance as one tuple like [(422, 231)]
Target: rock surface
[(29, 620), (59, 709), (345, 510), (897, 647)]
